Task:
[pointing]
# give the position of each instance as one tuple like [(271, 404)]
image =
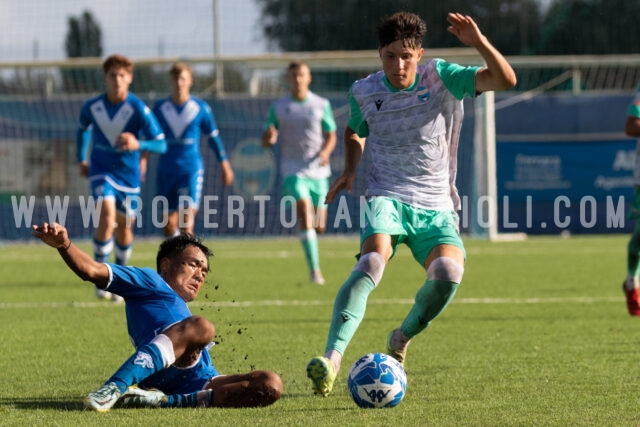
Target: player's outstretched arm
[(497, 74), (55, 235)]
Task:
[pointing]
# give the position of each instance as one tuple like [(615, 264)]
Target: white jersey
[(301, 127), (412, 135)]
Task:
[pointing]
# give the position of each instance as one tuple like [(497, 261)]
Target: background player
[(113, 121), (181, 169), (410, 117), (304, 125), (171, 356), (631, 283)]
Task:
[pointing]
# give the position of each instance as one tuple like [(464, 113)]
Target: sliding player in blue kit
[(171, 364), (113, 122), (181, 170)]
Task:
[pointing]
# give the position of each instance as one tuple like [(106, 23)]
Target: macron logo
[(378, 103)]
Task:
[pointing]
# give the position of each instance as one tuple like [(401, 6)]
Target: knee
[(201, 327), (446, 269), (270, 388)]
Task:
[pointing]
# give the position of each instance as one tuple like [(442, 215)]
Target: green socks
[(309, 240), (430, 300), (348, 310), (633, 254)]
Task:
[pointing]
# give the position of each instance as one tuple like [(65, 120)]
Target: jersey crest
[(111, 127), (178, 122)]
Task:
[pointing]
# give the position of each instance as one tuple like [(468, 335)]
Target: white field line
[(296, 303)]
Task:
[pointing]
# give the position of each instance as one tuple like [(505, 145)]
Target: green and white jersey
[(301, 126), (412, 135), (634, 111)]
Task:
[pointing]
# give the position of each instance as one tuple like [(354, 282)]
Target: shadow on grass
[(40, 403)]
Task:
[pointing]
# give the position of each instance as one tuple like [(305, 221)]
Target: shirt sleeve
[(460, 80), (328, 121), (271, 118), (356, 121), (634, 106), (83, 136)]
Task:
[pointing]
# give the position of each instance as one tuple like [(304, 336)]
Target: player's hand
[(83, 169), (269, 136), (465, 29), (54, 235), (344, 182), (227, 174), (143, 168), (324, 158), (127, 141)]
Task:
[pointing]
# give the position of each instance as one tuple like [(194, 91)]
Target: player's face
[(181, 84), (400, 64), (117, 80), (299, 79), (186, 272)]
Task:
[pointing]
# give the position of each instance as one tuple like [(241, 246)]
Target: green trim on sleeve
[(271, 118), (460, 80), (634, 106), (328, 121), (356, 122)]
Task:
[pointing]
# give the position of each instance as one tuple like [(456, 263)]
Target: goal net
[(40, 104)]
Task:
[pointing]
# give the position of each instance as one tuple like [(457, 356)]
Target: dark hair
[(294, 65), (178, 68), (117, 61), (405, 26), (174, 246)]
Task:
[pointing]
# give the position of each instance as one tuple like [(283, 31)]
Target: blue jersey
[(151, 307), (104, 122), (183, 125)]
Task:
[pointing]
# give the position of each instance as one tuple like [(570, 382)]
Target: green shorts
[(420, 229), (307, 188)]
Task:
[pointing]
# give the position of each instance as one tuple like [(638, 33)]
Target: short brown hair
[(294, 65), (405, 26), (117, 61), (178, 68)]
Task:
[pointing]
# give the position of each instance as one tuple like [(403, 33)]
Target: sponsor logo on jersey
[(423, 94)]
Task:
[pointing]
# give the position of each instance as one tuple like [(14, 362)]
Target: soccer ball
[(377, 380)]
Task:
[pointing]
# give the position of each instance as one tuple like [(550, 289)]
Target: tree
[(84, 36), (591, 27), (84, 39), (300, 25)]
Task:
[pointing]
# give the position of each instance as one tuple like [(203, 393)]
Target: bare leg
[(257, 388)]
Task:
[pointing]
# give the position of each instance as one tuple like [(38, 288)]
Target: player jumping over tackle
[(410, 117)]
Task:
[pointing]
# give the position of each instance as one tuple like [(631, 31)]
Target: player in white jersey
[(113, 122), (410, 118), (171, 363), (303, 123), (184, 118), (631, 283)]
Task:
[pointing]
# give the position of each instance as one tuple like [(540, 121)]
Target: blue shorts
[(182, 380), (127, 199), (307, 188), (174, 186), (420, 229)]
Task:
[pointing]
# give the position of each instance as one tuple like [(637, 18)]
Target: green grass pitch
[(538, 334)]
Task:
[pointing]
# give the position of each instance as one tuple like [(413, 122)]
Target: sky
[(36, 29)]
